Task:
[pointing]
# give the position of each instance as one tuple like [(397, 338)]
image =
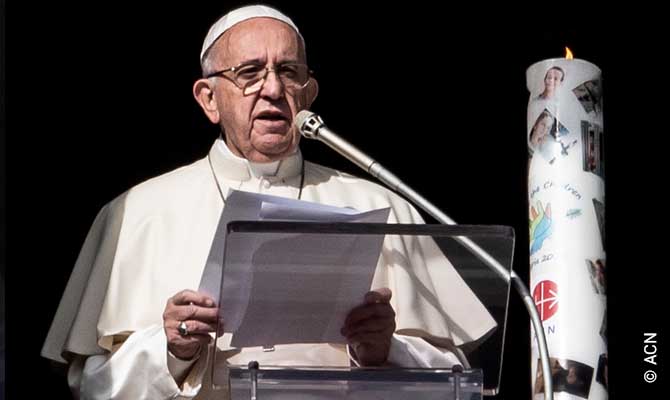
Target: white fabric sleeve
[(414, 352), (179, 368), (137, 370)]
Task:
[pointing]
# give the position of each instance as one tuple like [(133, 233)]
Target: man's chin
[(277, 126), (273, 147), (270, 154)]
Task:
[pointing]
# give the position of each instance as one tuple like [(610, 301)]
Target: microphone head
[(308, 124)]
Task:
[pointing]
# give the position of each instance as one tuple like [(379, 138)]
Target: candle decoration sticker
[(566, 198), (568, 376), (540, 226), (545, 296), (548, 136), (593, 157)]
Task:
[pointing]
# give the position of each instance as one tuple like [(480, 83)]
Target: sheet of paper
[(281, 288)]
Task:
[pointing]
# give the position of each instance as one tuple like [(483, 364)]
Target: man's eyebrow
[(255, 61), (259, 61)]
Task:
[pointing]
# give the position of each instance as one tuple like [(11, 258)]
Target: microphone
[(311, 126)]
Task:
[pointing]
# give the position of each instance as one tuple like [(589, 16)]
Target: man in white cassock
[(131, 324)]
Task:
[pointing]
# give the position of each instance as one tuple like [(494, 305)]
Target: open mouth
[(272, 116)]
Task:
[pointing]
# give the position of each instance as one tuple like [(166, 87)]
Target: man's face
[(259, 126), (553, 79)]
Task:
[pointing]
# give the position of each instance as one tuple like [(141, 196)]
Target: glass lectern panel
[(287, 288)]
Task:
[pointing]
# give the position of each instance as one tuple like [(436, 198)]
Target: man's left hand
[(370, 326)]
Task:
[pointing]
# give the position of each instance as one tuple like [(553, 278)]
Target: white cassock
[(153, 241)]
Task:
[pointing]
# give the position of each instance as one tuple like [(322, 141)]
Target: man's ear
[(311, 91), (203, 91)]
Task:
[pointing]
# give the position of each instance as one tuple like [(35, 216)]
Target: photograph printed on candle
[(601, 371), (549, 137), (553, 79), (599, 210), (596, 270), (589, 95), (567, 376), (593, 149), (540, 225)]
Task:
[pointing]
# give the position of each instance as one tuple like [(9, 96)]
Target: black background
[(99, 99)]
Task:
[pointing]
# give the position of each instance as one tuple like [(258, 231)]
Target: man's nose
[(273, 87)]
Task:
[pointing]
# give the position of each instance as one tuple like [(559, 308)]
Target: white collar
[(230, 166)]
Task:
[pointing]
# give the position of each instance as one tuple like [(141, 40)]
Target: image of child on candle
[(544, 137), (552, 81), (596, 270), (593, 157), (567, 376), (540, 138), (590, 96)]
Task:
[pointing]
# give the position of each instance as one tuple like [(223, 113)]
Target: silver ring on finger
[(182, 328)]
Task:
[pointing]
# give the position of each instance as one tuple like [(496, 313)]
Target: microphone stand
[(312, 127)]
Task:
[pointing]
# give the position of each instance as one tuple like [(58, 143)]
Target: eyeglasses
[(251, 77)]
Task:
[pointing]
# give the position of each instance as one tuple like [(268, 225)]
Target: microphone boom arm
[(312, 127)]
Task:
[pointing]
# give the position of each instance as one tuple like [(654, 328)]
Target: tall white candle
[(566, 189)]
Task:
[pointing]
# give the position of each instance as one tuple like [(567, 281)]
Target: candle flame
[(568, 54)]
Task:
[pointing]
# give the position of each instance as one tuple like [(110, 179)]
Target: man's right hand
[(199, 312)]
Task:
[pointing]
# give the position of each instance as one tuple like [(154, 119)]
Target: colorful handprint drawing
[(540, 226)]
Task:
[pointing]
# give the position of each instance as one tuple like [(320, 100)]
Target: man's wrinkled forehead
[(242, 14)]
